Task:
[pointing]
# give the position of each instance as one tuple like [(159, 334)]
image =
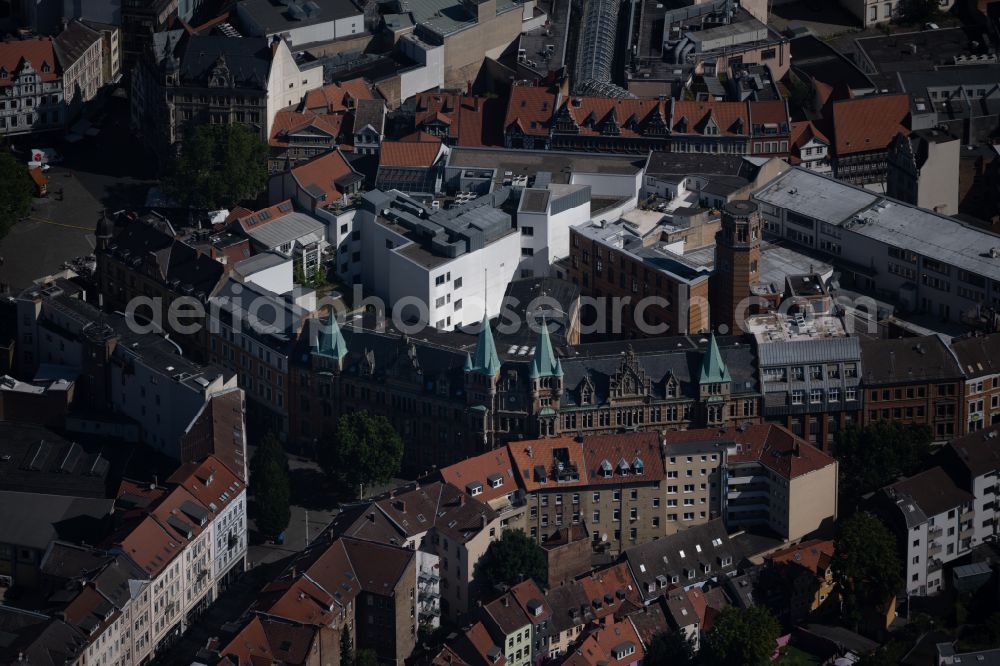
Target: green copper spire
[(332, 343), (485, 360), (545, 363), (468, 362), (713, 370)]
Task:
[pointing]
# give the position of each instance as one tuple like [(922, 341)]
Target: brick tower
[(737, 264)]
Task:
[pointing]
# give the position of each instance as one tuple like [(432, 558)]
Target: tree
[(346, 648), (218, 166), (270, 486), (16, 189), (742, 637), (671, 647), (365, 449), (874, 455), (511, 559), (866, 564)]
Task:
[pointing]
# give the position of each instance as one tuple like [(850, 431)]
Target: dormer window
[(496, 480), (638, 466), (606, 471), (45, 67), (623, 467)]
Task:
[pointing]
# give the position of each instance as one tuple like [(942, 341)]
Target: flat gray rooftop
[(824, 199), (560, 164), (277, 17)]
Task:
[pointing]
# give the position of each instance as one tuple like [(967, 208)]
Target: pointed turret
[(713, 370), (468, 362), (545, 363), (331, 342), (485, 360)]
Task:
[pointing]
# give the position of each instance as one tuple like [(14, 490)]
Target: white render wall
[(391, 276), (286, 83), (428, 75), (318, 32), (278, 279)]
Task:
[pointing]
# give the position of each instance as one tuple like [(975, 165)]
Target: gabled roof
[(803, 132), (978, 355), (978, 452), (613, 644), (463, 115), (813, 556), (318, 177), (907, 360), (266, 640), (933, 491), (869, 123), (336, 97), (39, 52), (609, 590), (530, 108), (331, 341), (287, 123), (731, 117), (484, 469), (778, 449), (410, 154)]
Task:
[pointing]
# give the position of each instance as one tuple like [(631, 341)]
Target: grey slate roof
[(907, 360), (933, 491), (32, 519), (370, 112), (248, 59), (671, 560), (73, 42)]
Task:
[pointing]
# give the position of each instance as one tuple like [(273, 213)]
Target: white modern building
[(544, 218), (442, 267), (300, 22), (923, 261)]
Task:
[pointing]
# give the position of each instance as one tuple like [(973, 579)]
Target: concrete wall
[(466, 50), (287, 83), (430, 73), (812, 501), (278, 279)]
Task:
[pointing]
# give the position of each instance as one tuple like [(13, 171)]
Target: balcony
[(427, 578), (966, 515), (934, 564), (935, 532), (935, 549), (966, 533)]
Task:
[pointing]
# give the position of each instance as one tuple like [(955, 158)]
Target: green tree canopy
[(513, 558), (874, 455), (919, 11), (270, 486), (346, 648), (670, 647), (364, 449), (742, 637), (218, 166), (16, 190), (866, 563)]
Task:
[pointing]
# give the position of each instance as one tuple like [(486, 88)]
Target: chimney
[(796, 450), (371, 517), (461, 499), (506, 601)]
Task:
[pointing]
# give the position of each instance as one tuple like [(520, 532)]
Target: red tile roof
[(418, 137), (869, 123), (38, 52), (803, 132), (212, 483), (291, 122), (336, 97), (461, 117), (266, 641), (529, 455), (768, 111), (598, 649), (815, 556), (615, 583), (409, 154), (477, 645), (730, 117), (631, 115), (779, 450), (480, 469), (531, 109), (628, 448), (323, 172), (258, 218)]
